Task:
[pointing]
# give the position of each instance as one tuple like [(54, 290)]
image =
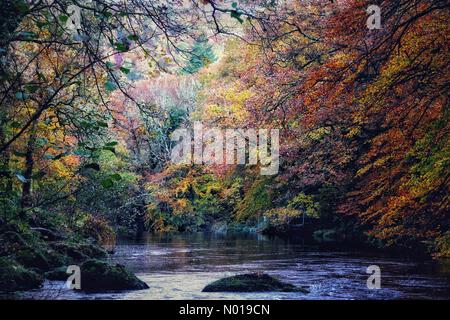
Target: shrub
[(277, 220), (14, 277), (442, 246), (257, 199), (99, 229)]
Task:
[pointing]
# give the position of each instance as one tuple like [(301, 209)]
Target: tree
[(201, 55)]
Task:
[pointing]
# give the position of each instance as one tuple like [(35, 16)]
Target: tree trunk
[(5, 174), (29, 164), (139, 218)]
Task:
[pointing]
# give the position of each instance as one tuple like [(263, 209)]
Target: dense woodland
[(87, 115)]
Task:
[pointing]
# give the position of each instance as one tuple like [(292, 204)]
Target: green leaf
[(4, 169), (107, 14), (234, 5), (112, 149), (93, 166), (133, 37), (116, 177), (110, 86), (63, 18), (112, 144), (109, 64), (41, 24), (237, 16), (121, 47), (38, 175), (22, 6), (102, 124), (19, 154), (85, 124), (125, 70), (107, 183), (81, 153), (15, 124), (31, 88)]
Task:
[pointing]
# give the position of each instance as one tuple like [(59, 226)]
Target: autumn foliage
[(362, 113)]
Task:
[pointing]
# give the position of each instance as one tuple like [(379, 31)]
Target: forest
[(92, 91)]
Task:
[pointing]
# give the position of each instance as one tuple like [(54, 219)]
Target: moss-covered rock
[(15, 277), (93, 251), (252, 282), (54, 258), (40, 259), (59, 274), (79, 252), (99, 276), (32, 258)]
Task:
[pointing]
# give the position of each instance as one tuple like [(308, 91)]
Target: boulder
[(78, 252), (59, 274), (252, 282), (15, 277), (32, 258), (99, 276)]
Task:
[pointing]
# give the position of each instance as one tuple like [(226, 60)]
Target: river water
[(179, 266)]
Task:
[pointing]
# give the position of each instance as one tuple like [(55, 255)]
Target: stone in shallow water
[(252, 282), (99, 276)]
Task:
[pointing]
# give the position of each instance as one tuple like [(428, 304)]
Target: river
[(179, 266)]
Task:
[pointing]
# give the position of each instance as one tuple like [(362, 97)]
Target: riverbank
[(344, 235), (31, 255)]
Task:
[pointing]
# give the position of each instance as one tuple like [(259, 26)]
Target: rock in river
[(252, 282), (99, 276)]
